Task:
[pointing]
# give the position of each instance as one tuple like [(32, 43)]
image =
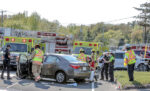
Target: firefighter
[(6, 62), (130, 61), (82, 57), (37, 58), (111, 67), (94, 57)]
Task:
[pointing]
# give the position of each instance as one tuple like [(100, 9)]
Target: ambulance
[(19, 45), (87, 46)]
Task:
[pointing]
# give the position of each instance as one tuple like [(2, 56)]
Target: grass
[(140, 78)]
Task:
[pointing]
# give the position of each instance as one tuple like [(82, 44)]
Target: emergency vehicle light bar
[(75, 43), (13, 39), (7, 39)]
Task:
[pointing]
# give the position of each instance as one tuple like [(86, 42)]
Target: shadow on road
[(8, 82)]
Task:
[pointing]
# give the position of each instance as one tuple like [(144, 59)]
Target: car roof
[(54, 54)]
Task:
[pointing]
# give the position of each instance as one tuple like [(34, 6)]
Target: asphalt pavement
[(16, 84)]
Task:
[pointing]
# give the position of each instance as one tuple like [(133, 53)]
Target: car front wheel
[(60, 77)]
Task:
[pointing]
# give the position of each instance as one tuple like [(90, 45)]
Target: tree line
[(107, 34)]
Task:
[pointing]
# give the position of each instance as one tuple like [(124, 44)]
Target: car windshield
[(15, 47), (86, 49), (71, 59)]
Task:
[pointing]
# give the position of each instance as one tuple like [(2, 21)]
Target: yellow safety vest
[(38, 55), (130, 58), (82, 57)]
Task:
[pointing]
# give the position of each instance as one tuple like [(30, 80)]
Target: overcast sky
[(76, 11)]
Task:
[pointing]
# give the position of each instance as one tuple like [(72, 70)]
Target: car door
[(22, 66), (49, 66)]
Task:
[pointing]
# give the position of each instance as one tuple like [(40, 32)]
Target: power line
[(120, 19)]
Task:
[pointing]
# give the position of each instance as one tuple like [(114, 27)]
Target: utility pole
[(2, 12)]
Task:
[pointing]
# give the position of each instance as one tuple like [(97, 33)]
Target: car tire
[(79, 80), (142, 67), (60, 77)]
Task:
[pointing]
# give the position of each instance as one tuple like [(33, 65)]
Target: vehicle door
[(49, 66), (22, 66)]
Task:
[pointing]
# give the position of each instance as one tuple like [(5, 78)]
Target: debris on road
[(73, 84)]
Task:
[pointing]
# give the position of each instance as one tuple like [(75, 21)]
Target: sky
[(76, 11)]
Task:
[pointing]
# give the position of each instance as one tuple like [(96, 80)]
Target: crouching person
[(37, 58)]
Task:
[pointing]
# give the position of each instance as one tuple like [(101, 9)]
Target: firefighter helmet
[(37, 46), (81, 50), (93, 50)]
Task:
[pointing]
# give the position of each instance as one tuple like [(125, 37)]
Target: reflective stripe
[(82, 57), (38, 56), (131, 57)]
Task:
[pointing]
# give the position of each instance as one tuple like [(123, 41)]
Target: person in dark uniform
[(6, 62), (105, 67), (111, 67)]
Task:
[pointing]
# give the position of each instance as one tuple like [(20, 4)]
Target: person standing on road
[(105, 67), (82, 57), (130, 61), (37, 58), (111, 67), (6, 62), (94, 57)]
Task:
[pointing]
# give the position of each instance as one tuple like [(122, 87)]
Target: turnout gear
[(36, 63), (38, 55)]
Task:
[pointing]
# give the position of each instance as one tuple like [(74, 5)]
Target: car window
[(119, 55), (71, 59), (51, 59)]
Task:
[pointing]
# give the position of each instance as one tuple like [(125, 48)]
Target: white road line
[(12, 85), (93, 86)]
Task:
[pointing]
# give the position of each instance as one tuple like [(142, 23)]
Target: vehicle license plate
[(84, 68)]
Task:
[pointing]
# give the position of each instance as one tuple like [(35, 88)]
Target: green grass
[(140, 78)]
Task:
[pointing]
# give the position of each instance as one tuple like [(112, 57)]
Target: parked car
[(140, 64), (58, 66)]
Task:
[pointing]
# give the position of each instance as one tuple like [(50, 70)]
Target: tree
[(144, 18)]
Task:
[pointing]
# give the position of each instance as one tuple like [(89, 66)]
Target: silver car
[(58, 66)]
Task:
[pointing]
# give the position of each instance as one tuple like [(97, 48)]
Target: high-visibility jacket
[(38, 55), (130, 58), (82, 57), (94, 56), (112, 60)]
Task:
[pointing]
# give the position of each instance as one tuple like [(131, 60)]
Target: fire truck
[(141, 50)]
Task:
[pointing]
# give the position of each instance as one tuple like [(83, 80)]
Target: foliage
[(108, 34)]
